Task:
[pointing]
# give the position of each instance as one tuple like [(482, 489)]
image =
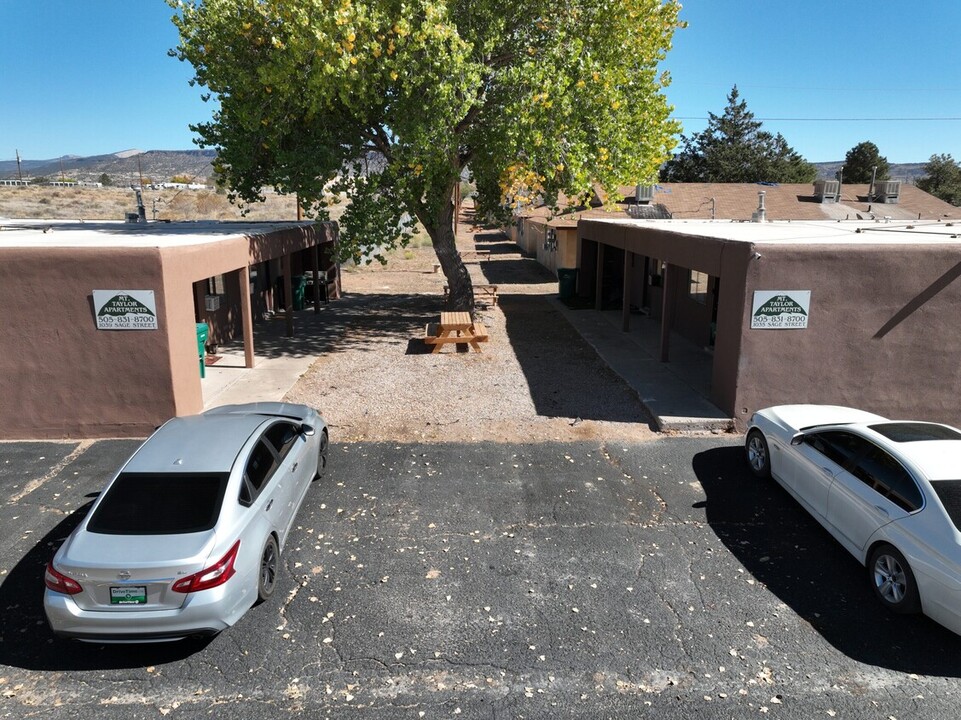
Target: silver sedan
[(888, 491), (188, 534)]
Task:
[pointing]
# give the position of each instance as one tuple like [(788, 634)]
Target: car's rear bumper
[(199, 616)]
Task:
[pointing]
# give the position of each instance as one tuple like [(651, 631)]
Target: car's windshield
[(160, 504), (915, 431)]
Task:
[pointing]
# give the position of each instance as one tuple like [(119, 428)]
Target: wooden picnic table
[(456, 328)]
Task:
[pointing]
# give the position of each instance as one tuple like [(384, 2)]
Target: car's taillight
[(58, 582), (216, 574)]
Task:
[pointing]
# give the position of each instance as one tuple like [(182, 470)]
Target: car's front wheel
[(758, 456), (322, 455), (269, 563), (892, 580)]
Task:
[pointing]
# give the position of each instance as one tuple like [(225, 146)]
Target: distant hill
[(161, 165), (124, 168), (906, 172)]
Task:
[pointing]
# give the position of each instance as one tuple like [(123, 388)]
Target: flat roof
[(116, 233), (836, 232)]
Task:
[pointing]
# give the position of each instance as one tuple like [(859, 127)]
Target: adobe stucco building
[(63, 375), (853, 313)]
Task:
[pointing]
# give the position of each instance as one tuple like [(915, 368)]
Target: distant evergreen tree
[(734, 148), (942, 178), (860, 161), (105, 180)]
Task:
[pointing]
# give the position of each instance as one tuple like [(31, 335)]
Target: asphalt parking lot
[(495, 581)]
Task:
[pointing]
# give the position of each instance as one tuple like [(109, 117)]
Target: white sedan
[(189, 533), (888, 491)]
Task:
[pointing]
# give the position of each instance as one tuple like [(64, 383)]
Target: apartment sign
[(780, 309), (125, 309)]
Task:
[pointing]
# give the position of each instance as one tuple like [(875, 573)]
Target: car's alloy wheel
[(757, 454), (269, 562), (892, 580), (322, 455)]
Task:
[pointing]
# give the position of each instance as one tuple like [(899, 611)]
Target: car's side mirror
[(307, 430), (797, 439)]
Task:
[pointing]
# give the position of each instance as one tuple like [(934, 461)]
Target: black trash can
[(566, 283)]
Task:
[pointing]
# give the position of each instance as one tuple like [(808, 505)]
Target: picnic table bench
[(485, 293), (456, 328)]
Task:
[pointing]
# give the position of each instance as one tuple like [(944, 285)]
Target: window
[(698, 287), (839, 447), (282, 436), (882, 472), (261, 465), (160, 504), (915, 431), (949, 492)]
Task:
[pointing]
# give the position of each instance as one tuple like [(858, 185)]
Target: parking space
[(493, 580)]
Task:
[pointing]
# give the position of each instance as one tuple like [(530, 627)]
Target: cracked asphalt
[(492, 580)]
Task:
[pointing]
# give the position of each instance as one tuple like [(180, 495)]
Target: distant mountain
[(906, 172), (8, 168), (124, 167)]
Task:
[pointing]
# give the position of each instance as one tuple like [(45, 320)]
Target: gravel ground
[(535, 380)]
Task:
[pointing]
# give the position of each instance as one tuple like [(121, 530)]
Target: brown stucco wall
[(882, 333), (58, 373), (61, 377)]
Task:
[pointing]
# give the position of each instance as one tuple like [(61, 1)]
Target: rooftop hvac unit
[(887, 191), (827, 191), (644, 194)]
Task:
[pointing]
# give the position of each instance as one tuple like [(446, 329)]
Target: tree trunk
[(441, 231)]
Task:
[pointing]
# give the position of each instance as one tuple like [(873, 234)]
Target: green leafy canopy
[(389, 101)]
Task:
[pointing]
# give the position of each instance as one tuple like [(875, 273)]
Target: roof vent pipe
[(760, 215)]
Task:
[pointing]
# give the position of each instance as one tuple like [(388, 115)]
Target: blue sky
[(88, 78)]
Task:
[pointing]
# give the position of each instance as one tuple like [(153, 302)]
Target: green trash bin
[(566, 283), (203, 332), (297, 285)]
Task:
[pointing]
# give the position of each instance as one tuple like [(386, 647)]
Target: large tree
[(393, 101), (734, 148), (942, 178), (860, 163)]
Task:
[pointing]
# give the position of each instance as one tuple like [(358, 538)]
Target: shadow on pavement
[(565, 376), (797, 560), (27, 641)]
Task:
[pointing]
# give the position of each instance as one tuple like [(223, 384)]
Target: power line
[(851, 119)]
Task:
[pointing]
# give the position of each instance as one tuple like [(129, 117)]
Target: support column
[(246, 316), (626, 294), (599, 278), (288, 295), (667, 312), (316, 255)]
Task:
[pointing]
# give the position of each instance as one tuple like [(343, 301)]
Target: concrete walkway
[(675, 393)]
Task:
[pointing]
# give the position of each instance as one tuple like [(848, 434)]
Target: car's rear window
[(915, 431), (949, 493), (160, 504)]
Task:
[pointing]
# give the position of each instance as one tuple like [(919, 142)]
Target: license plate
[(128, 595)]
